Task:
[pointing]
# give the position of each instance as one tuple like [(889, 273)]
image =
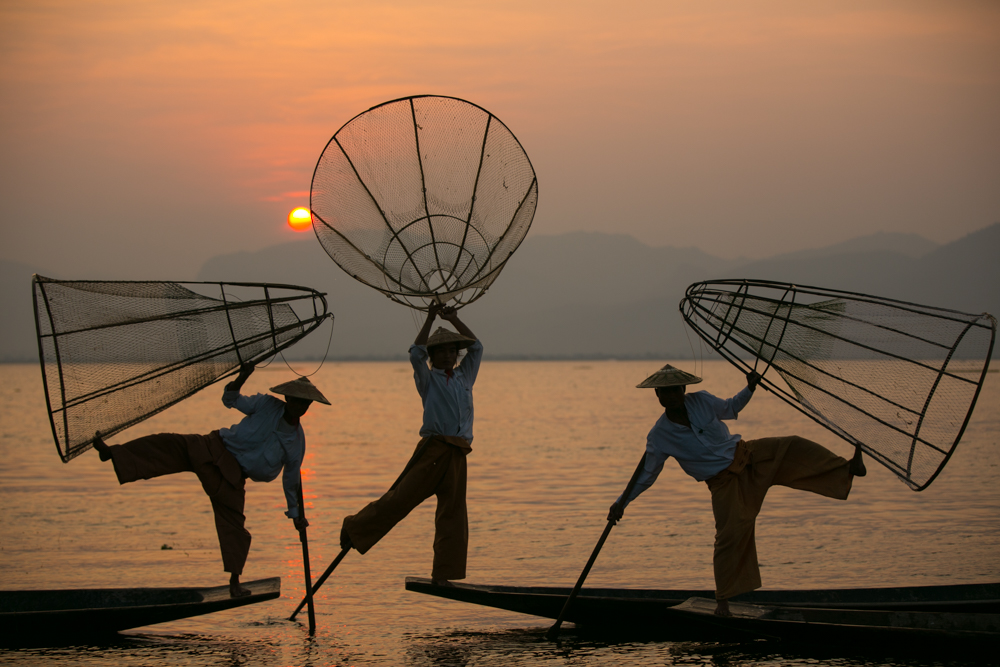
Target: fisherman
[(738, 472), (437, 466), (268, 439)]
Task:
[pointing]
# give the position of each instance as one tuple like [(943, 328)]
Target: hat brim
[(446, 337), (299, 389), (668, 376)]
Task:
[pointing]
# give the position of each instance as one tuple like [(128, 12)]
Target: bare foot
[(235, 590), (103, 451), (858, 468), (441, 582), (722, 609)]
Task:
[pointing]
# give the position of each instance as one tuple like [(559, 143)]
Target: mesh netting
[(899, 379), (116, 353), (423, 197)]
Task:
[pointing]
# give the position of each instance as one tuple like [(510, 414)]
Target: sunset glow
[(300, 219), (744, 129)]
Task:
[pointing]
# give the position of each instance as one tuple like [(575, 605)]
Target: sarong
[(738, 494), (437, 467), (218, 471)]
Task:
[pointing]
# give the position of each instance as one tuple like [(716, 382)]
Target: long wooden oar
[(336, 561), (308, 599), (305, 563), (553, 632)]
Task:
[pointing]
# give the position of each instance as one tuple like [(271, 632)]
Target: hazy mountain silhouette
[(910, 245), (582, 294)]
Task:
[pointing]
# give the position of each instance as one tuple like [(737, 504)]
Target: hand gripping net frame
[(899, 379), (424, 198), (116, 353)]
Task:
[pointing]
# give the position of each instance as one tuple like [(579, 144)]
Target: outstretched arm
[(451, 314), (650, 471), (729, 408)]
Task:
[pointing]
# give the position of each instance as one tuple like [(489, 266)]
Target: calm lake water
[(555, 443)]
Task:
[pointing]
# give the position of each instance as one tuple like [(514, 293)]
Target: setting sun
[(300, 219)]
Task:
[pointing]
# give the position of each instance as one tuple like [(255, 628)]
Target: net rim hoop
[(309, 324), (823, 291), (532, 188), (982, 321)]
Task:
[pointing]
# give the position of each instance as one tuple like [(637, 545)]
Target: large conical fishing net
[(115, 353), (897, 378), (423, 198)]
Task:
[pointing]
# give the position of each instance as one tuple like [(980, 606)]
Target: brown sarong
[(218, 471), (437, 467), (738, 494)]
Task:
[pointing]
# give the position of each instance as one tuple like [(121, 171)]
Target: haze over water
[(555, 443)]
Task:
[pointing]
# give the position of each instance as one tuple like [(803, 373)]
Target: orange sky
[(740, 128)]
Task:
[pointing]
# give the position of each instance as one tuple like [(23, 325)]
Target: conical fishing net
[(116, 353), (424, 197), (897, 378)]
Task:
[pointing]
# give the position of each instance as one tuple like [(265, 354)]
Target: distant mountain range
[(581, 295)]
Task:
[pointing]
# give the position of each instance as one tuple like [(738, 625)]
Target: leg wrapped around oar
[(220, 476), (436, 468)]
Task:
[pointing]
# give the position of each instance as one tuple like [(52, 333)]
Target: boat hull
[(958, 619), (631, 607), (854, 630), (26, 614)]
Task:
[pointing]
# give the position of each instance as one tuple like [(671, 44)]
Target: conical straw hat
[(301, 388), (668, 376), (443, 336)]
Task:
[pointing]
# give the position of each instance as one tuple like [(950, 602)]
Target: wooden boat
[(637, 607), (25, 614), (853, 629)]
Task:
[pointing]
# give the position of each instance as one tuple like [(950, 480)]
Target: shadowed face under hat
[(443, 336)]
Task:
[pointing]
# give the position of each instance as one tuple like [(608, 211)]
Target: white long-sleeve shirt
[(447, 400), (703, 450), (263, 443)]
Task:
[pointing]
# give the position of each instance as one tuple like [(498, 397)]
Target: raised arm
[(425, 331), (237, 384), (451, 314)]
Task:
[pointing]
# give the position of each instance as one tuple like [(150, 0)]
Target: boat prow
[(27, 614), (859, 629), (956, 618)]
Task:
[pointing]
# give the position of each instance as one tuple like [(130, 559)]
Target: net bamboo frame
[(899, 379), (423, 198), (114, 353)]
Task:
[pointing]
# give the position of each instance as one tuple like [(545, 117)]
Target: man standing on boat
[(268, 440), (437, 466), (738, 472)]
